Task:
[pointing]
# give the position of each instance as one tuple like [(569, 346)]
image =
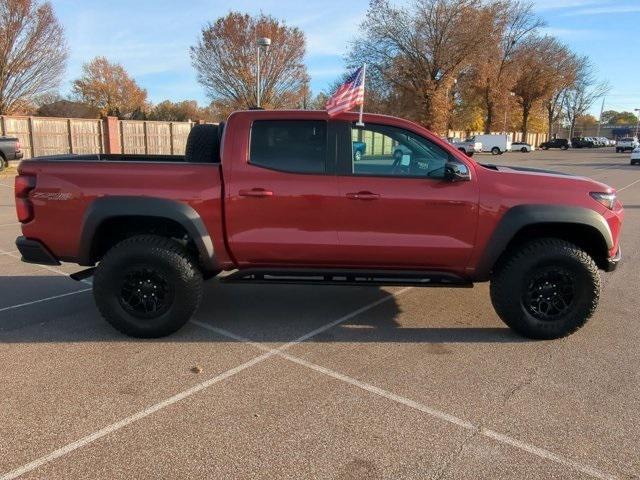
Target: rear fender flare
[(105, 208)]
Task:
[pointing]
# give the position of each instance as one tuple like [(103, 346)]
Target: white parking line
[(9, 224), (630, 185), (55, 297), (499, 437), (8, 186), (14, 254), (184, 394)]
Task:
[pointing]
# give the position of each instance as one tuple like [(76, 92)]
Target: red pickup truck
[(279, 197)]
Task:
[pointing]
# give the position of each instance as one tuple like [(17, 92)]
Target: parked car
[(522, 147), (469, 146), (635, 156), (626, 144), (10, 149), (561, 143), (496, 144), (581, 142), (265, 199), (359, 149)]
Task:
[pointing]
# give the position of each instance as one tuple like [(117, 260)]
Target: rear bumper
[(33, 251), (18, 155), (612, 262)]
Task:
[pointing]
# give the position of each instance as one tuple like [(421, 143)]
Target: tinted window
[(391, 151), (298, 146)]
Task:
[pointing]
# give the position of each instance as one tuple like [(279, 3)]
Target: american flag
[(350, 94)]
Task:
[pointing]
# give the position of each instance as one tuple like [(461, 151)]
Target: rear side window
[(297, 146)]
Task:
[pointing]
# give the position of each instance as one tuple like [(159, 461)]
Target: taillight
[(18, 146), (24, 208)]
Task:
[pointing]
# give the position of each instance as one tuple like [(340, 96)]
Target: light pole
[(638, 122), (506, 110), (261, 43)]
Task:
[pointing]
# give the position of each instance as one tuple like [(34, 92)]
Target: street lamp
[(262, 44), (506, 110)]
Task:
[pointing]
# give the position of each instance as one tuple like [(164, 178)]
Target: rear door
[(397, 210), (281, 198)]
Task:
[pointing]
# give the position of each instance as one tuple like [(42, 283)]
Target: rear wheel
[(147, 286), (524, 150), (3, 162), (546, 289), (357, 156), (495, 151), (564, 147)]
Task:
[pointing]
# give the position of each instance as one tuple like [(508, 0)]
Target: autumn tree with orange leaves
[(225, 60), (108, 87)]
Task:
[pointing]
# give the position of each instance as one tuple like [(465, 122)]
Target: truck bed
[(67, 187)]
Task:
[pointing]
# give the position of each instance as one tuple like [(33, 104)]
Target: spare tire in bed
[(203, 144)]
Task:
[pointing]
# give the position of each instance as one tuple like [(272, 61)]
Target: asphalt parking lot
[(322, 382)]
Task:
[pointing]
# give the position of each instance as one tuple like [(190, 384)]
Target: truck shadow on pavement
[(261, 313)]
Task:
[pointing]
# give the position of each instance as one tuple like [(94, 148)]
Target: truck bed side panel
[(64, 191)]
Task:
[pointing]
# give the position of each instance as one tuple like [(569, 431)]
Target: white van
[(496, 144)]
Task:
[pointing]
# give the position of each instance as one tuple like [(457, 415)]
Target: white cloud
[(541, 5), (604, 10)]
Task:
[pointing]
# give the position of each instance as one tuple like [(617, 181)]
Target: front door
[(281, 200), (397, 210)]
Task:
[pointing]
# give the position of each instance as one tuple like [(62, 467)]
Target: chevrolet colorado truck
[(276, 197), (10, 149)]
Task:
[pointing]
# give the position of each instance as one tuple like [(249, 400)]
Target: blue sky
[(151, 38)]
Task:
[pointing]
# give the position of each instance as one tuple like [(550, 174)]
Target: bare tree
[(33, 51), (415, 53), (538, 76), (515, 22), (564, 65), (225, 62), (583, 93)]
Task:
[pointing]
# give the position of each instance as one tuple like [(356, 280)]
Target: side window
[(390, 151), (298, 146)]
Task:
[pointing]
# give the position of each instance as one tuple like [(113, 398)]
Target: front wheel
[(546, 289), (147, 286), (524, 150), (495, 151)]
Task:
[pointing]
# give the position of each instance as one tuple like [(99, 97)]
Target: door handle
[(256, 193), (363, 196)]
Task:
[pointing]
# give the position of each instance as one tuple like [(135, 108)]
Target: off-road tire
[(161, 256), (513, 276), (203, 144)]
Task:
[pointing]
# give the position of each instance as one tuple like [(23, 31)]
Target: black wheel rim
[(549, 293), (145, 292)]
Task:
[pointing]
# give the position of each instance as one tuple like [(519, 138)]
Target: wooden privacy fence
[(42, 136)]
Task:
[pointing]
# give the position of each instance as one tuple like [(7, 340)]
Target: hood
[(593, 184)]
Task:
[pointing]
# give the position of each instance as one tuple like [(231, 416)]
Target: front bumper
[(33, 251), (612, 263)]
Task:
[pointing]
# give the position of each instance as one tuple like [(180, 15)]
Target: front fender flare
[(518, 217)]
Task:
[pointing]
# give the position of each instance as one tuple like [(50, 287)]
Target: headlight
[(606, 199)]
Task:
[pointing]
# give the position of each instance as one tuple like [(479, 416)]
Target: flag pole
[(364, 74)]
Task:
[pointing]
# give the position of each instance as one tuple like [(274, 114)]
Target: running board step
[(347, 277)]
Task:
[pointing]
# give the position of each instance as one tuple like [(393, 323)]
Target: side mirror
[(456, 172)]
